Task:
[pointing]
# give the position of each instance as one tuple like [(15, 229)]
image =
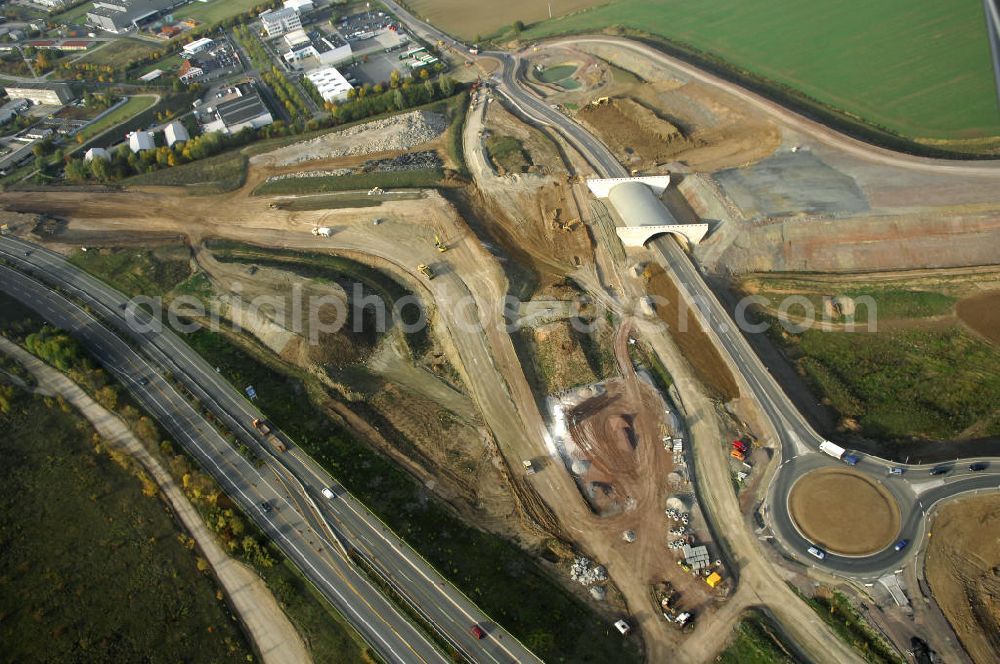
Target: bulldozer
[(426, 271), (441, 246)]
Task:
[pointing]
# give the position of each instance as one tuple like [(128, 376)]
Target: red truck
[(262, 426)]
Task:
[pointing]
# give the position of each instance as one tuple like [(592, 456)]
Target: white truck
[(323, 231), (529, 468), (838, 452)]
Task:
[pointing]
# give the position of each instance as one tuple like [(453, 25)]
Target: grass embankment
[(136, 271), (326, 633), (557, 357), (95, 570), (508, 154), (335, 269), (890, 302), (918, 70), (837, 612), (498, 576), (425, 177), (919, 374), (906, 383), (214, 175), (134, 106), (756, 642)]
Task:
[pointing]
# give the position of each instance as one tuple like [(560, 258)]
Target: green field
[(120, 52), (93, 570), (73, 16), (134, 106), (137, 271), (919, 68), (214, 10)]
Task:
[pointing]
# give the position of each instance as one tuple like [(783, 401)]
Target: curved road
[(441, 604), (918, 492)]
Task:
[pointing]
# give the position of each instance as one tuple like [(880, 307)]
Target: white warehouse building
[(330, 82), (174, 132), (141, 140), (198, 46)]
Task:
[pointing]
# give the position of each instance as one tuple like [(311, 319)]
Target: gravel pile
[(399, 132), (584, 571), (411, 161)]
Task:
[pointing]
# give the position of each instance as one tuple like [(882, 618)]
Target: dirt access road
[(759, 581), (963, 568), (272, 633), (985, 169)]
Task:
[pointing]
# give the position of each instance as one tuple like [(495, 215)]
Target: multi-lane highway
[(383, 626), (439, 603)]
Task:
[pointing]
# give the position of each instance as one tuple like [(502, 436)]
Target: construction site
[(613, 508)]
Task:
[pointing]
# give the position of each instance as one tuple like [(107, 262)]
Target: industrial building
[(125, 15), (175, 131), (247, 109), (327, 50), (56, 94), (279, 21), (141, 140), (330, 82), (12, 109), (198, 46), (301, 6)]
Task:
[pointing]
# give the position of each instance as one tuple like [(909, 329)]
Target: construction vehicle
[(599, 101), (322, 231), (741, 446), (529, 468), (441, 246), (426, 271), (736, 454), (265, 430)]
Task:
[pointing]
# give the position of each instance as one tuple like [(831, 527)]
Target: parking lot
[(376, 70)]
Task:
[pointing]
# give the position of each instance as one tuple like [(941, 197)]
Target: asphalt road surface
[(796, 437), (387, 631), (440, 603)]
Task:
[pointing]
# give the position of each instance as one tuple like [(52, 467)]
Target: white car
[(327, 493), (817, 552)]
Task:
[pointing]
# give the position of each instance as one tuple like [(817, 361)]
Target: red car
[(478, 632)]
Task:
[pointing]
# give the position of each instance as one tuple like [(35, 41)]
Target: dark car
[(940, 470), (27, 253), (976, 467), (266, 506), (144, 381), (478, 632), (901, 544)]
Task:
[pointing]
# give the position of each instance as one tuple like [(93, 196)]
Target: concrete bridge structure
[(637, 202)]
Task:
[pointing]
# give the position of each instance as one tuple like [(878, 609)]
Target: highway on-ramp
[(438, 602)]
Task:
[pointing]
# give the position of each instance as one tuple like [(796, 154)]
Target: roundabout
[(844, 511)]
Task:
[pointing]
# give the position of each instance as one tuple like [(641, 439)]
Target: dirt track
[(844, 512), (963, 568)]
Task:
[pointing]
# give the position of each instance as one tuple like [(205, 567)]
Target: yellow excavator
[(426, 271), (441, 246)]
